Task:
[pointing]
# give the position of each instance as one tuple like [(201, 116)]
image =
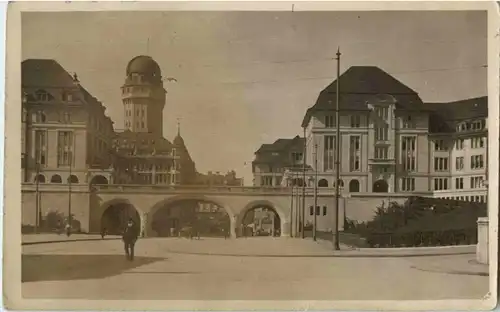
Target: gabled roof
[(45, 73), (358, 85)]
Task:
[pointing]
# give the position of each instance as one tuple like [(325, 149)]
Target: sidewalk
[(31, 239)]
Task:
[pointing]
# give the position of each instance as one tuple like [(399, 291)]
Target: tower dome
[(144, 65)]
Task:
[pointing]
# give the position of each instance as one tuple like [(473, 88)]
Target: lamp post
[(297, 207), (37, 195), (70, 158), (290, 184), (336, 243), (303, 213), (315, 224)]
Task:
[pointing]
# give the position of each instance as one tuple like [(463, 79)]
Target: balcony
[(382, 161)]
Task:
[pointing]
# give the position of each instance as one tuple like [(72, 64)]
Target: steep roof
[(357, 85), (45, 73), (144, 142), (277, 152), (445, 116)]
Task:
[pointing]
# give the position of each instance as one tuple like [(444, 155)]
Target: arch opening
[(99, 180), (116, 216), (56, 179), (72, 179), (323, 183), (354, 186), (380, 186), (40, 178), (261, 220), (191, 218)]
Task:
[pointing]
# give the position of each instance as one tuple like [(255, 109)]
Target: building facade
[(390, 141), (66, 133), (67, 137)]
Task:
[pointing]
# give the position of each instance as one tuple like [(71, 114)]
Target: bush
[(421, 222)]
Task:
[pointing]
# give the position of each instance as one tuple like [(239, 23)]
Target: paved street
[(271, 270)]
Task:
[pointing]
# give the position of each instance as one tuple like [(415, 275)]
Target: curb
[(456, 272), (346, 254), (66, 241)]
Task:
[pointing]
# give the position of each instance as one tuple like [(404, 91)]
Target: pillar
[(233, 227), (482, 251)]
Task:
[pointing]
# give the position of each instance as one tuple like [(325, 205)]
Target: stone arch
[(323, 183), (40, 178), (103, 208), (99, 180), (179, 198), (73, 179), (380, 186), (56, 179), (354, 186), (264, 203)]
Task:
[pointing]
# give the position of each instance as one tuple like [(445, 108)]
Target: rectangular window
[(407, 184), (329, 121), (65, 148), (318, 210), (382, 112), (440, 184), (459, 163), (355, 153), (477, 162), (408, 122), (441, 164), (408, 153), (381, 152), (329, 148), (476, 182), (459, 183), (459, 144), (296, 157), (382, 132), (440, 145), (267, 181), (41, 147), (477, 142), (311, 210), (355, 121), (324, 210)]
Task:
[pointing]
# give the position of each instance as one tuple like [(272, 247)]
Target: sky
[(247, 78)]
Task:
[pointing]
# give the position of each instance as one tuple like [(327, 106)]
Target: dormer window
[(42, 96), (67, 97), (40, 116)]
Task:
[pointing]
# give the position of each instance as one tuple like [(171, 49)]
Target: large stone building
[(390, 141), (66, 134), (68, 137)]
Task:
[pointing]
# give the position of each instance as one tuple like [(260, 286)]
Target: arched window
[(99, 180), (56, 179), (323, 183), (43, 96), (72, 179), (354, 186), (40, 178)]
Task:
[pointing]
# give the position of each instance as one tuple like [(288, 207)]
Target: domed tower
[(143, 96)]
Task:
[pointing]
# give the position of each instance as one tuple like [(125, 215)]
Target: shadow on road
[(73, 267)]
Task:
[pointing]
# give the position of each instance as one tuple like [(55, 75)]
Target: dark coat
[(131, 233)]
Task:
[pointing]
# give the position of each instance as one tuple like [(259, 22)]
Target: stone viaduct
[(88, 203)]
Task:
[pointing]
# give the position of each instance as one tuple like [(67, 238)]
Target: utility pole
[(297, 206), (336, 243), (69, 191), (315, 190), (303, 213), (37, 194), (290, 183)]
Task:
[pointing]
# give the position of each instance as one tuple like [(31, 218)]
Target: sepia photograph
[(286, 154)]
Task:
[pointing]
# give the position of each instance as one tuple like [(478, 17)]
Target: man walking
[(130, 235)]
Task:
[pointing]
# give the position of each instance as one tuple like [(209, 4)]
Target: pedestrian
[(68, 229), (103, 232), (130, 235)]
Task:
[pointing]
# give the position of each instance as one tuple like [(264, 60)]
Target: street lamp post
[(336, 243), (303, 214), (290, 184), (70, 158), (37, 195), (297, 207), (315, 224)]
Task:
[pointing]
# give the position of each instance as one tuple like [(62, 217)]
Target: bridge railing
[(188, 188)]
